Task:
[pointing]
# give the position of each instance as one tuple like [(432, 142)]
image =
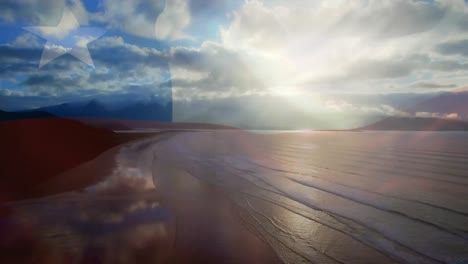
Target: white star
[(67, 37)]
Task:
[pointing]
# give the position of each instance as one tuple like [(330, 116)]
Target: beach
[(241, 197)]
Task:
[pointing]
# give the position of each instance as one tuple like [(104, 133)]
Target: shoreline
[(200, 226), (238, 197)]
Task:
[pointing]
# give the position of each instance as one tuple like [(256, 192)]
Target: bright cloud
[(173, 20), (309, 46)]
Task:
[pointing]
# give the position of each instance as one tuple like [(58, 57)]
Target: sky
[(311, 63)]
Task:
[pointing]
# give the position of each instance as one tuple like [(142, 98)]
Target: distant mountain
[(8, 116), (144, 111), (126, 124), (93, 109), (66, 109), (445, 103), (149, 111), (417, 124)]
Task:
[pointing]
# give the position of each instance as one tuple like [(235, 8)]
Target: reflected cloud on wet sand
[(119, 220)]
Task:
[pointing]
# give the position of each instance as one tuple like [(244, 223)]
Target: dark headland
[(417, 124)]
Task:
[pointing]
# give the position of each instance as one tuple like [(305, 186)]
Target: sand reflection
[(119, 220)]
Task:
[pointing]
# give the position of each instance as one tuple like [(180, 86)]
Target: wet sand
[(209, 229), (113, 213), (336, 197), (36, 152), (237, 197)]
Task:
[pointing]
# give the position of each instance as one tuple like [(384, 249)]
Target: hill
[(36, 150), (417, 124), (126, 124), (148, 111), (8, 116), (445, 103)]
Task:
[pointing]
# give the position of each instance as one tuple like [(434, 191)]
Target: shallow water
[(348, 197), (321, 197)]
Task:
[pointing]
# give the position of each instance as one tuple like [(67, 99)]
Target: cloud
[(256, 48), (211, 68), (258, 22), (8, 92), (193, 19), (27, 40), (137, 17), (448, 65), (167, 19), (458, 47), (319, 23), (173, 20), (438, 115), (380, 110), (210, 8), (120, 67), (48, 84), (40, 12), (387, 68), (379, 75), (312, 45), (431, 85)]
